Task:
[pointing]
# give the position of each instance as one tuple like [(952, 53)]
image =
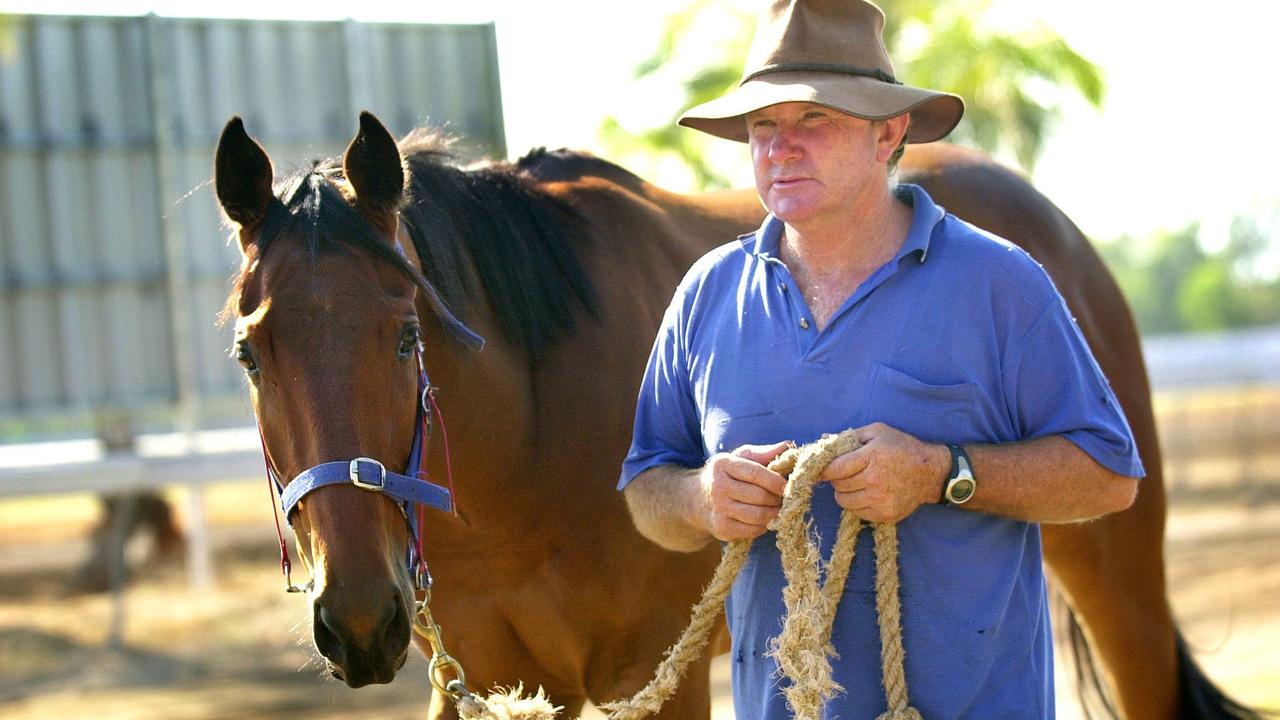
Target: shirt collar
[(925, 215)]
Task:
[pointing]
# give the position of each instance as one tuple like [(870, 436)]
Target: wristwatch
[(959, 486)]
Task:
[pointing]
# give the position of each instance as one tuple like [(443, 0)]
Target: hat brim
[(933, 114)]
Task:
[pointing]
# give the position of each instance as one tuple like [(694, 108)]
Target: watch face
[(960, 490)]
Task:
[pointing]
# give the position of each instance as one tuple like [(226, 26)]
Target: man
[(862, 304)]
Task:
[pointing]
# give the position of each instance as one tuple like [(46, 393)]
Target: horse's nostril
[(397, 633), (325, 636)]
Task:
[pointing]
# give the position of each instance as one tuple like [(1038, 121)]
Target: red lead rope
[(285, 565), (422, 473), (448, 464)]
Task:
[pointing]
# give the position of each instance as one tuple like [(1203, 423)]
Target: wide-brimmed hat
[(829, 52)]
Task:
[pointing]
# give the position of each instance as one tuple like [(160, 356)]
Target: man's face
[(812, 162)]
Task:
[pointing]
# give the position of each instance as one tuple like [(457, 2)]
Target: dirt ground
[(242, 649)]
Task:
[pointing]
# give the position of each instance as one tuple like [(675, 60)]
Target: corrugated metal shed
[(113, 264)]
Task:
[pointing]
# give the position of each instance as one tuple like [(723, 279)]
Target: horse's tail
[(1094, 699), (1199, 698)]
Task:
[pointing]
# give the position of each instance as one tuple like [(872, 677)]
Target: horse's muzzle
[(362, 645)]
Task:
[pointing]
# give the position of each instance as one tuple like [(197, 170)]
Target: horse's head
[(327, 329)]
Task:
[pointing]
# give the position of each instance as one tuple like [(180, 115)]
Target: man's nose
[(783, 146)]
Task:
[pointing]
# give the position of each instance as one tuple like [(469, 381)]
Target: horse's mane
[(492, 215)]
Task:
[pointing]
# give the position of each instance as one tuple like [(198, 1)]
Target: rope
[(803, 649)]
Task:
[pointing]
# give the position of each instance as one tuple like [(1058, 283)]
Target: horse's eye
[(409, 340), (244, 355)]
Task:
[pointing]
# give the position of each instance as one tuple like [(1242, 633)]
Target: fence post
[(177, 283)]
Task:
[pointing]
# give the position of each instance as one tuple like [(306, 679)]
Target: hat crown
[(829, 52), (846, 33)]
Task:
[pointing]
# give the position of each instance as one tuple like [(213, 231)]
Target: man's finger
[(752, 494), (870, 433), (762, 454), (847, 465), (730, 529), (753, 515), (860, 503), (756, 474)]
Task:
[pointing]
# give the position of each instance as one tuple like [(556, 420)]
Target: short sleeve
[(1058, 389), (666, 428)]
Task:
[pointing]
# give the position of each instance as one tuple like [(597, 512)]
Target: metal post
[(498, 125), (177, 278), (199, 552), (122, 521), (355, 39)]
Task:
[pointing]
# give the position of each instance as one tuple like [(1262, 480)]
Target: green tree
[(8, 45), (1151, 274), (1012, 83), (1174, 285)]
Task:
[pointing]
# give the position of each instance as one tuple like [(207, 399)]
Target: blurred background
[(136, 570)]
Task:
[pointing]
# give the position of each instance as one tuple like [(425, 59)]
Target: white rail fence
[(1223, 363)]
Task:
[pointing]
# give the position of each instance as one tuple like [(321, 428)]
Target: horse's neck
[(723, 214)]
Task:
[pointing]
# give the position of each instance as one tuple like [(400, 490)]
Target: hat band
[(876, 73)]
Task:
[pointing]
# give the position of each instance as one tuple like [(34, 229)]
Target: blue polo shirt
[(959, 338)]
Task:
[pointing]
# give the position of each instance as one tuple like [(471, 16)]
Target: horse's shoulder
[(944, 167), (996, 198)]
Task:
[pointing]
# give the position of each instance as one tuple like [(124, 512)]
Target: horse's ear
[(373, 166), (242, 176)]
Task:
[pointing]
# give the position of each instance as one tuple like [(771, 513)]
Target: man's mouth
[(789, 183)]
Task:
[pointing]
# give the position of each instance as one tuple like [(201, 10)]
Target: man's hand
[(889, 476), (743, 495)]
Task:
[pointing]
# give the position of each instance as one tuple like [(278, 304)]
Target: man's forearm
[(668, 505), (1047, 480)]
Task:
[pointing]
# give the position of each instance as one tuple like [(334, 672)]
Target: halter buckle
[(357, 479)]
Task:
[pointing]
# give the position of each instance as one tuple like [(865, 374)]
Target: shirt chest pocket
[(931, 412)]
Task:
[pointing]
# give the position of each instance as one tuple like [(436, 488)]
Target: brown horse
[(565, 264)]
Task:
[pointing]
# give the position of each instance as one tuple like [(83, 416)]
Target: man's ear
[(891, 133)]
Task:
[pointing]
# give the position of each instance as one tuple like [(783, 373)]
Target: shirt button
[(804, 323)]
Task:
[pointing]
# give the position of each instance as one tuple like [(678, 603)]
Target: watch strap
[(958, 455)]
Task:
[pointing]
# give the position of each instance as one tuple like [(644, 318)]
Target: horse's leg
[(1112, 570), (691, 701), (493, 656)]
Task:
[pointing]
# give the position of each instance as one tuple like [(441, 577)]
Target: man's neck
[(831, 257), (865, 236)]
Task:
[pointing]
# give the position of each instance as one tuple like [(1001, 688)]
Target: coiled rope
[(803, 649)]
